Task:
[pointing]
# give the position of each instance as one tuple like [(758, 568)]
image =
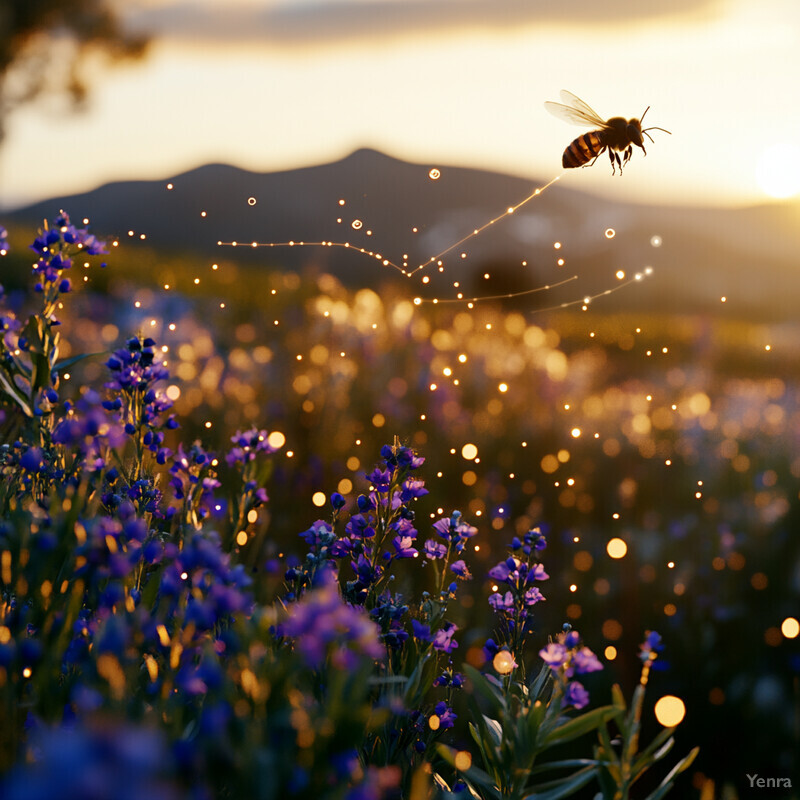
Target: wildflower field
[(299, 541)]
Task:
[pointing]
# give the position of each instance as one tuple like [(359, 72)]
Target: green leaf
[(566, 787), (666, 784), (68, 362), (494, 728), (569, 763), (15, 394), (618, 699), (655, 751), (580, 725), (541, 682), (486, 690)]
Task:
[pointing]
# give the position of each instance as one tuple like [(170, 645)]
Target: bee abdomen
[(582, 150)]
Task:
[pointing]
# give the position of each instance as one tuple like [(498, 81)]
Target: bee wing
[(575, 111)]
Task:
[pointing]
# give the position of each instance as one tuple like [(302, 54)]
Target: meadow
[(280, 538)]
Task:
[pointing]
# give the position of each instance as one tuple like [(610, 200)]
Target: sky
[(277, 84)]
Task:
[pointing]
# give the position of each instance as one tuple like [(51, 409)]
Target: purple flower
[(403, 546), (461, 569), (501, 602), (359, 527), (533, 596), (584, 660), (445, 714), (575, 695), (434, 550), (554, 655), (381, 479), (412, 489), (443, 639)]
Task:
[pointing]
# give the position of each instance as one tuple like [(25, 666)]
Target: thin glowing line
[(506, 213), (346, 245), (586, 300), (506, 296)]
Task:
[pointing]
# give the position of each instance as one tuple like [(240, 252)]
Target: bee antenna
[(656, 128), (645, 111)]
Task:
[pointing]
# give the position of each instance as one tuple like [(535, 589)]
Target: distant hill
[(748, 255)]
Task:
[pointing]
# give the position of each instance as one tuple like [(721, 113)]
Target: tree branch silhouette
[(44, 45)]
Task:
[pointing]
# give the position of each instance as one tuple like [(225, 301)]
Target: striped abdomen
[(583, 150)]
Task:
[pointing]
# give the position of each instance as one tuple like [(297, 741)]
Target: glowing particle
[(503, 387), (434, 174), (276, 439), (434, 722), (203, 214), (462, 358), (575, 432), (503, 662), (616, 548), (241, 538), (556, 245), (573, 587), (610, 652), (26, 673), (671, 564), (620, 273), (723, 299), (469, 451), (341, 202), (433, 387), (768, 347), (170, 186), (670, 711), (208, 424), (790, 628), (610, 233), (318, 499), (356, 224), (655, 241), (463, 760), (251, 201)]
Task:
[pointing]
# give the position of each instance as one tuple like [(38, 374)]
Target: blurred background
[(650, 397)]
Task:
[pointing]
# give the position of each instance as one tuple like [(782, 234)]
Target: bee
[(617, 134)]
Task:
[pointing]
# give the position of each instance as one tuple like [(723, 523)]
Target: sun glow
[(778, 170)]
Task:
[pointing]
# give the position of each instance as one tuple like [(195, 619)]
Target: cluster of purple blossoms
[(568, 656), (518, 573), (324, 626), (193, 479), (54, 245), (247, 445)]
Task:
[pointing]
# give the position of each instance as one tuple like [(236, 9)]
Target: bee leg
[(611, 155)]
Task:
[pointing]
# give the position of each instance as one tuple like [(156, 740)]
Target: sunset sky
[(277, 84)]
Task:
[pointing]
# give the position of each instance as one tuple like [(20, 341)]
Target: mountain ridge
[(747, 255)]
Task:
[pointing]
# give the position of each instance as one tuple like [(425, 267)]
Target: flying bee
[(617, 134)]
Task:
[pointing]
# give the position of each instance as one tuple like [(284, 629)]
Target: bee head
[(634, 131)]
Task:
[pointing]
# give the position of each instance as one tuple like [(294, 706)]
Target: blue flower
[(421, 631), (651, 646)]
